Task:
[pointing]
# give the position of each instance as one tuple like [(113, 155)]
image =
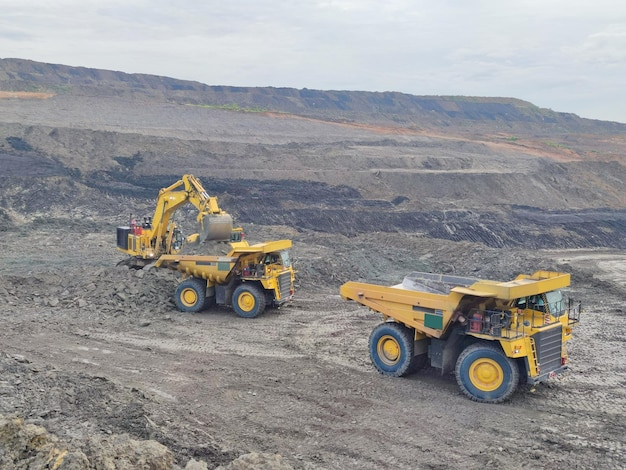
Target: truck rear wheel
[(485, 374), (391, 349), (190, 295), (248, 301)]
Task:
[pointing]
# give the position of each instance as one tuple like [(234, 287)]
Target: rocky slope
[(497, 171), (99, 370)]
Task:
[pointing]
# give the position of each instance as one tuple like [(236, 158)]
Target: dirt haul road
[(92, 351)]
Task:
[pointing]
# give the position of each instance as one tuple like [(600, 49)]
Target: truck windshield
[(284, 256), (555, 303), (554, 300)]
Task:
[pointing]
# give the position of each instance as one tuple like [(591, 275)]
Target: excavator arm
[(214, 223), (160, 234)]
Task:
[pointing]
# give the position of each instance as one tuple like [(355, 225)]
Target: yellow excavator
[(146, 241), (248, 278)]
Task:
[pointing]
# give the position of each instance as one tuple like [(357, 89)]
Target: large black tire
[(190, 295), (248, 300), (391, 349), (485, 374)]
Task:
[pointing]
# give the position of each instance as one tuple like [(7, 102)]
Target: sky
[(564, 55)]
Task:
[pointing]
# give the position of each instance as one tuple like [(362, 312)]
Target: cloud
[(606, 47), (545, 52)]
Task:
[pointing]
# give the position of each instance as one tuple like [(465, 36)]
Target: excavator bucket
[(215, 227)]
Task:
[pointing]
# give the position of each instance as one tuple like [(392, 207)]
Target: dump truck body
[(481, 329), (248, 278)]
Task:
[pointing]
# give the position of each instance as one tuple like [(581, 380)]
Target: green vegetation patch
[(232, 107)]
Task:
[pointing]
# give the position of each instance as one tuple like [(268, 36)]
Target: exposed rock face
[(27, 446), (405, 109)]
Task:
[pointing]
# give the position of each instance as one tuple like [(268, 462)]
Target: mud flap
[(224, 293), (444, 353)]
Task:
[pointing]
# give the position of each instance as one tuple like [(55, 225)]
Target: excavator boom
[(159, 235), (213, 223)]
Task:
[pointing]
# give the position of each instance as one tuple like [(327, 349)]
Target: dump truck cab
[(492, 334)]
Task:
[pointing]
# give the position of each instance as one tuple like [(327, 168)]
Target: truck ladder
[(533, 350)]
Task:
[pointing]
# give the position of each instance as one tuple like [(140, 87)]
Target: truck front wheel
[(190, 295), (391, 348), (485, 374), (248, 301)]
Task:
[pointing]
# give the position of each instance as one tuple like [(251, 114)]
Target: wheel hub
[(246, 301), (486, 374), (388, 350), (189, 297)]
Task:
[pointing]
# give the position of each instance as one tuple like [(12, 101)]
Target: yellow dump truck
[(494, 335), (248, 278)]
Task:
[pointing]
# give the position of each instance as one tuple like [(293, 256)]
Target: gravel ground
[(99, 357)]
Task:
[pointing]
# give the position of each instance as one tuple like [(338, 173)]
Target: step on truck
[(248, 279), (494, 335)]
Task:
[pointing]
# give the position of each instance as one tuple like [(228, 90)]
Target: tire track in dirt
[(193, 343)]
